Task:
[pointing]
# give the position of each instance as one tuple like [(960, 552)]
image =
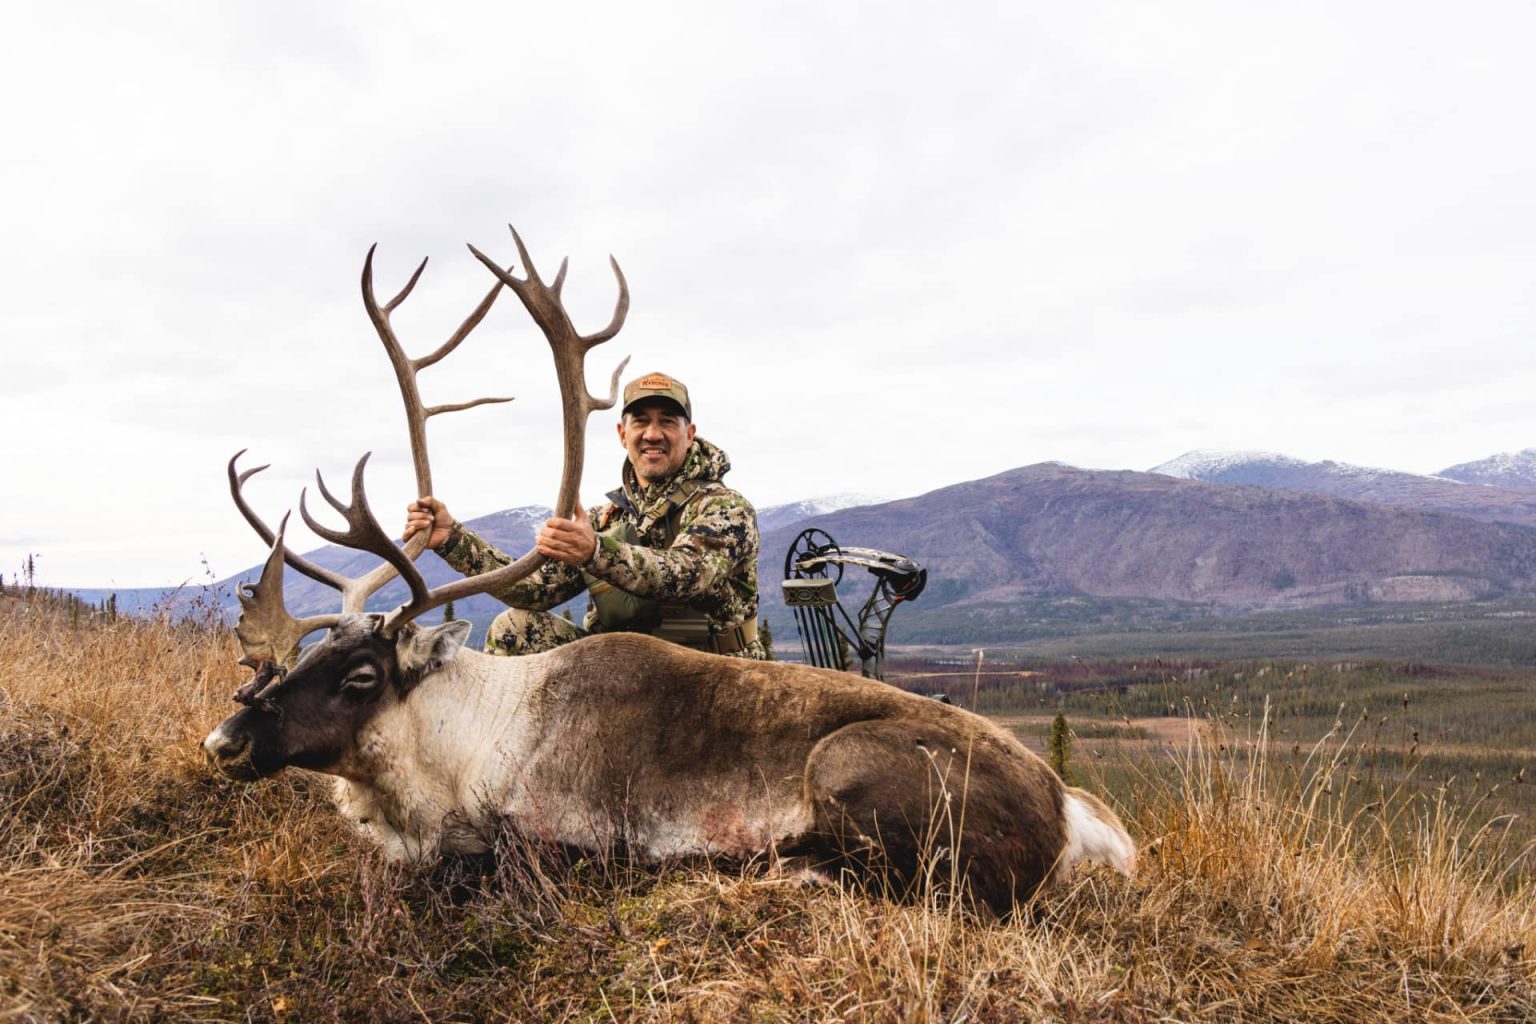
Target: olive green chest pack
[(619, 611)]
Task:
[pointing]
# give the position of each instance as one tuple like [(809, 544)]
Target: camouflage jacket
[(711, 564)]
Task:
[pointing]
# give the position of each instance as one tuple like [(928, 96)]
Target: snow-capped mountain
[(1357, 483), (1270, 469), (775, 516), (514, 522), (1229, 467), (1507, 469)]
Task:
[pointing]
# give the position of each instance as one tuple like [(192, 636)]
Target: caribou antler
[(264, 619), (406, 368), (570, 349), (355, 592), (268, 634), (363, 532), (319, 574)]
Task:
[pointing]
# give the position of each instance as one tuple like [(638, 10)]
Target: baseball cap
[(657, 385)]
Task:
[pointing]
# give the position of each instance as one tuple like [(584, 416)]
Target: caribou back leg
[(917, 803)]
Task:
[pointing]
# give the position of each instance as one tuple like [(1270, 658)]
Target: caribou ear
[(424, 651)]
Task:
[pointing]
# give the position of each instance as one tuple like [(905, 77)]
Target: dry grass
[(134, 885)]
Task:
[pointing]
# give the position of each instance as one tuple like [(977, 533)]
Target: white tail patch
[(1094, 834)]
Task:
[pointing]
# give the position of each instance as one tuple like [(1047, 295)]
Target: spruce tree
[(448, 615), (765, 634), (1061, 748)]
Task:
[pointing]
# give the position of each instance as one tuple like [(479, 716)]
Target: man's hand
[(428, 514), (572, 541)]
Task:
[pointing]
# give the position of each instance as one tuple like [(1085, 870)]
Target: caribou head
[(312, 714)]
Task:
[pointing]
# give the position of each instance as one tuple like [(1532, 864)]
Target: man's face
[(656, 435)]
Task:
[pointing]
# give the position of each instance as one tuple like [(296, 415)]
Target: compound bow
[(813, 569)]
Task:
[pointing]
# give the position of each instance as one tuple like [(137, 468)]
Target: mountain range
[(1504, 491), (1209, 532)]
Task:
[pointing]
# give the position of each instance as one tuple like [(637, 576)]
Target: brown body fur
[(621, 739), (889, 776)]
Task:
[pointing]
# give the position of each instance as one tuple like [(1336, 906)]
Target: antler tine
[(565, 262), (598, 404), (522, 253), (433, 410), (236, 484), (325, 492), (237, 491), (364, 533), (266, 631), (470, 323), (620, 311), (389, 307), (465, 586)]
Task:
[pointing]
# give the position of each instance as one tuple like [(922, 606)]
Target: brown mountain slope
[(1051, 529)]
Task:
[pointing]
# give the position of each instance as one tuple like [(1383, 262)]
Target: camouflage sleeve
[(717, 535), (551, 584)]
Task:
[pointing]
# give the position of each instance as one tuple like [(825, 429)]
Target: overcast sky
[(888, 246)]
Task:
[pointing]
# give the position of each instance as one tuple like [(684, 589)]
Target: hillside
[(1052, 531), (137, 886)]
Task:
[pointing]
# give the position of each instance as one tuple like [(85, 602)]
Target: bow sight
[(813, 569)]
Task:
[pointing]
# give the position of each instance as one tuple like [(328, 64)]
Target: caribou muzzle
[(232, 752)]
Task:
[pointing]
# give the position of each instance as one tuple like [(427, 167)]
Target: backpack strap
[(681, 497)]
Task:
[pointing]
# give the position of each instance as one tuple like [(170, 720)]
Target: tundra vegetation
[(1279, 881)]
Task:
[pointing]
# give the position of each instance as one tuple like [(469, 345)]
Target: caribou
[(619, 740)]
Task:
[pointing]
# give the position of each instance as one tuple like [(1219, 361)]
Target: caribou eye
[(360, 679)]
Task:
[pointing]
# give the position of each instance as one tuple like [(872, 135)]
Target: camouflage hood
[(704, 463)]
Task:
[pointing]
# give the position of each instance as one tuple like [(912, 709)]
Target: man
[(674, 553)]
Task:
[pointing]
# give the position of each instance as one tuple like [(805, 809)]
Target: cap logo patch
[(655, 380)]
